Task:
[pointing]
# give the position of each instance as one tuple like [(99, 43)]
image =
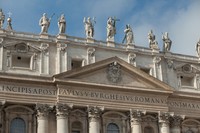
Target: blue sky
[(180, 18)]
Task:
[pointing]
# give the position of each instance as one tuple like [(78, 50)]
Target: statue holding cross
[(111, 27)]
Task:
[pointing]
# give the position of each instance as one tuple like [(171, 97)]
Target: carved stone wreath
[(114, 72)]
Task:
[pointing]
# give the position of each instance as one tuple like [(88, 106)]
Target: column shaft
[(62, 125), (42, 126)]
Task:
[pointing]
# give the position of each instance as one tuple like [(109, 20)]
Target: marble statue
[(9, 24), (198, 47), (166, 42), (128, 35), (89, 27), (153, 44), (2, 18), (111, 29), (44, 23), (62, 24)]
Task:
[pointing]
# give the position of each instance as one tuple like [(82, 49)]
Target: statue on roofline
[(45, 23), (111, 27), (166, 42), (89, 27), (129, 38), (153, 44), (198, 47), (62, 24)]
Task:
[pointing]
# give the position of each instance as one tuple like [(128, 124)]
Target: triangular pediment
[(22, 47), (187, 68), (113, 72)]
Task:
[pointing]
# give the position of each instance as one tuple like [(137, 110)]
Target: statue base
[(89, 40), (44, 36), (1, 31), (62, 36), (130, 46), (155, 50), (110, 42)]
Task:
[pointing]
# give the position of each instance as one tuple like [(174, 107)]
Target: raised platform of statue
[(62, 36), (110, 42), (2, 31), (90, 40), (130, 46), (44, 36)]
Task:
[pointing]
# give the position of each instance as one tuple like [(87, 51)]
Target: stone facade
[(65, 84)]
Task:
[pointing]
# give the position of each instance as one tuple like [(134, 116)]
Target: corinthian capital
[(136, 116), (94, 111), (164, 117), (176, 120), (62, 110), (43, 110)]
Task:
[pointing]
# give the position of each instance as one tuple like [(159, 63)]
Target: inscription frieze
[(112, 96), (27, 90), (108, 96)]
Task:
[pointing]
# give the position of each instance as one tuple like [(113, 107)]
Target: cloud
[(184, 29)]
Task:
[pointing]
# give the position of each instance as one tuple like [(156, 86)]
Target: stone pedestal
[(89, 40), (135, 120), (130, 46), (62, 111), (155, 50), (1, 31), (42, 117), (110, 42), (94, 119), (62, 36), (44, 36)]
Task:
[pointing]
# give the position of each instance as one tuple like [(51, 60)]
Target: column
[(42, 117), (62, 112), (135, 120), (176, 123), (164, 122), (94, 114)]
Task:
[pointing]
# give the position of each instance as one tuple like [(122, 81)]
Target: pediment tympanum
[(113, 72)]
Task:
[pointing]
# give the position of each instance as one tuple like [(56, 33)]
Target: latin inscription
[(27, 90), (100, 95), (112, 96), (129, 98)]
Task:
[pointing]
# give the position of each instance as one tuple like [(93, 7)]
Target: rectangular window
[(22, 61), (187, 81), (76, 131), (76, 63)]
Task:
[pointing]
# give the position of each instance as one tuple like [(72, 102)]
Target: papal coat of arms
[(114, 72)]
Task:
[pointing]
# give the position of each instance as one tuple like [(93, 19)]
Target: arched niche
[(117, 118), (190, 126)]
